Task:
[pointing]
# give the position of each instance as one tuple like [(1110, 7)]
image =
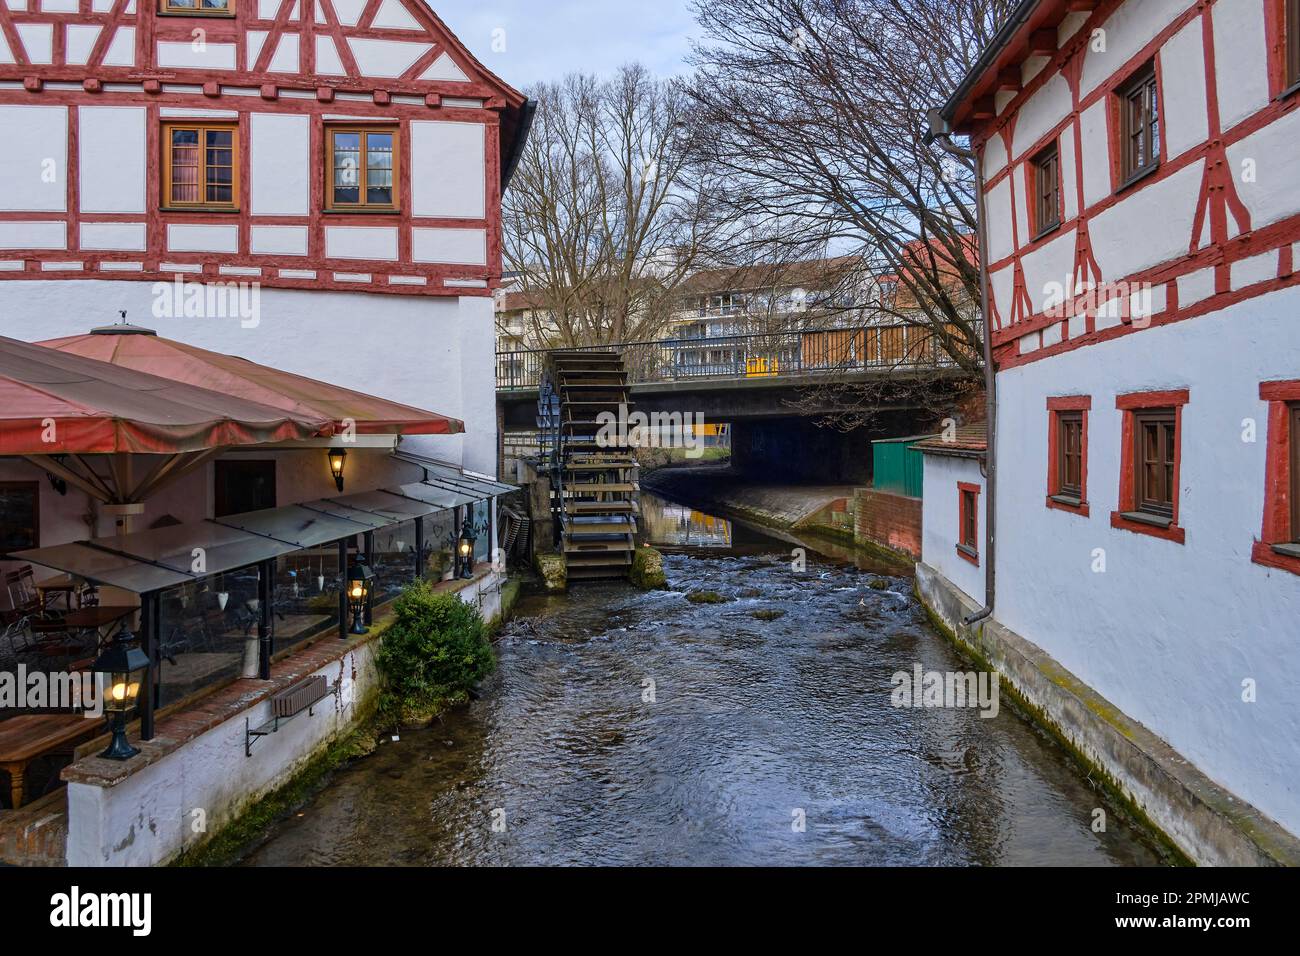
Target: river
[(625, 727)]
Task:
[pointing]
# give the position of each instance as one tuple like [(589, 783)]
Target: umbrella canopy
[(54, 403), (133, 347)]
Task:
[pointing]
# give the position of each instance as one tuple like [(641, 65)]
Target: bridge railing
[(755, 355)]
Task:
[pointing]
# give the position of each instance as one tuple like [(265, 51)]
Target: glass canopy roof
[(162, 558)]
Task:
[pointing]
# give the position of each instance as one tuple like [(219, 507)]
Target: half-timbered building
[(1138, 170)]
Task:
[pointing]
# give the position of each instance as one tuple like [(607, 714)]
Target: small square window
[(362, 169), (1047, 189), (1140, 124)]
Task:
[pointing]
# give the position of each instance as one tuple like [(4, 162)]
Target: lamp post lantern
[(360, 578), (126, 667)]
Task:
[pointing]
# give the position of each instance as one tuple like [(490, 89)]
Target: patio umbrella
[(54, 403), (133, 347)]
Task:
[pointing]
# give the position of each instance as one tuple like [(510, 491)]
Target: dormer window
[(199, 8)]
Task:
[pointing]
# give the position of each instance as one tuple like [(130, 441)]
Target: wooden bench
[(32, 736)]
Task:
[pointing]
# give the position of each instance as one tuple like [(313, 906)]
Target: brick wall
[(889, 520)]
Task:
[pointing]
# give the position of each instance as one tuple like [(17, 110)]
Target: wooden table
[(63, 584), (100, 619), (32, 736)]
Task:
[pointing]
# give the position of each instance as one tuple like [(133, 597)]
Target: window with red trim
[(968, 522), (1047, 189), (1292, 34), (1279, 542), (1139, 102), (1151, 449), (1067, 453)]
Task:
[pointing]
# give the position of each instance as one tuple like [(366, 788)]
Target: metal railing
[(755, 355)]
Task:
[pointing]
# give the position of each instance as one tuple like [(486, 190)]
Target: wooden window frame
[(1278, 545), (363, 130), (1130, 516), (1132, 167), (968, 518), (1155, 500), (35, 488), (1047, 219), (1291, 40), (236, 172), (167, 9), (1060, 411)]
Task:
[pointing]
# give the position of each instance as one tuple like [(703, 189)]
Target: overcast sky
[(544, 39)]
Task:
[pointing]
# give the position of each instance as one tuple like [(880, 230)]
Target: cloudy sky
[(544, 39)]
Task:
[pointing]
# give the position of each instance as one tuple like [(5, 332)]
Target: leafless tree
[(814, 114), (601, 223)]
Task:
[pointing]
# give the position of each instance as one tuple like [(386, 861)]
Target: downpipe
[(940, 133)]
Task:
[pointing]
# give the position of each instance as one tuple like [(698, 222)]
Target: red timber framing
[(968, 522), (1059, 411), (1281, 521), (1220, 214), (1131, 406), (249, 88)]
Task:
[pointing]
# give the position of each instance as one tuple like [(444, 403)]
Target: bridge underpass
[(762, 391)]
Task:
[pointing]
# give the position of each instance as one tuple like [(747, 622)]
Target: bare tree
[(601, 223), (813, 113)]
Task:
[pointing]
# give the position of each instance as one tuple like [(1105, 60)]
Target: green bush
[(435, 650)]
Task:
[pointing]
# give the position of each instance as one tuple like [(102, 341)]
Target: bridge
[(759, 384)]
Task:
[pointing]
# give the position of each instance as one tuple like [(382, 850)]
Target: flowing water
[(639, 728)]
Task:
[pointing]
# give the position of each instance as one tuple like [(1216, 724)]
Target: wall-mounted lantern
[(360, 578), (337, 457), (126, 667)]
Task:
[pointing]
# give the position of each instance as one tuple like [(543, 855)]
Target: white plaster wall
[(146, 819), (361, 242), (450, 246), (1271, 155), (1150, 226), (1049, 265), (999, 213), (1241, 54), (1128, 30), (1182, 66), (279, 150), (939, 521), (183, 55), (995, 157), (1094, 125), (34, 162), (448, 169), (1047, 107), (433, 353), (112, 143), (1168, 632), (202, 238)]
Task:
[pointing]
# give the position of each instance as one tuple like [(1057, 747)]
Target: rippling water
[(754, 725)]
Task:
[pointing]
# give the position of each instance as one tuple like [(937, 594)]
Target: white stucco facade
[(940, 531)]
